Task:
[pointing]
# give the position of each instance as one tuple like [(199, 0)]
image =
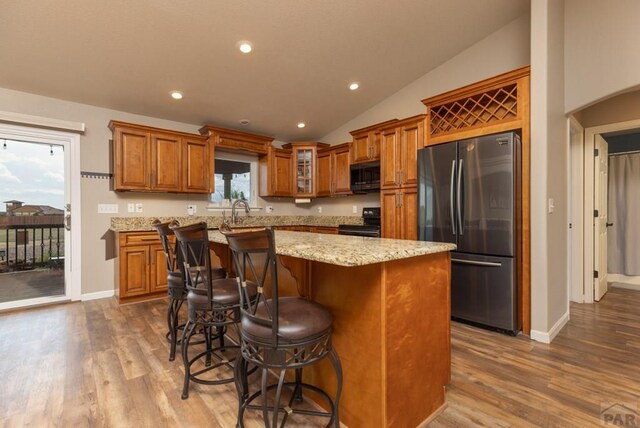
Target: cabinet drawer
[(137, 238)]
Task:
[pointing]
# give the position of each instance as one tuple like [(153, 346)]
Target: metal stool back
[(213, 305), (277, 332), (177, 290)]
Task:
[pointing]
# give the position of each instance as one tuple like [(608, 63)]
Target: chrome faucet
[(234, 216)]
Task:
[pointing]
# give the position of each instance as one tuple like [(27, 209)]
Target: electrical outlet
[(268, 209), (319, 210), (551, 205), (138, 207), (354, 209), (131, 207), (191, 209)]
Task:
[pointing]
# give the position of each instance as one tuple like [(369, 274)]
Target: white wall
[(98, 267), (601, 50), (502, 51), (620, 108), (549, 152)]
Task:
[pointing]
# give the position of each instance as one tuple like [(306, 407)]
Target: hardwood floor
[(505, 381), (100, 364)]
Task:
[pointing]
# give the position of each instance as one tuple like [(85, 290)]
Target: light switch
[(107, 208)]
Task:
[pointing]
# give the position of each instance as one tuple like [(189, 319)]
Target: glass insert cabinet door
[(304, 171), (304, 166)]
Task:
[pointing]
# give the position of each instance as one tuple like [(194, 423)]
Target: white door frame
[(71, 143), (576, 200), (588, 219)]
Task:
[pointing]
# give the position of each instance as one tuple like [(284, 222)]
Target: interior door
[(601, 170)]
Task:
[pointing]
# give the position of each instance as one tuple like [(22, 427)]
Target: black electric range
[(371, 226)]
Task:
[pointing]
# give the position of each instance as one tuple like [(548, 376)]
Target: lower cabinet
[(399, 211), (141, 266), (330, 230), (324, 229)]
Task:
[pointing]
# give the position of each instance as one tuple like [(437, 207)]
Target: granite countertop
[(132, 224), (346, 250)]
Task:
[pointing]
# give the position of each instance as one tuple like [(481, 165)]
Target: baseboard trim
[(97, 295), (625, 280), (433, 416), (626, 286), (548, 336)]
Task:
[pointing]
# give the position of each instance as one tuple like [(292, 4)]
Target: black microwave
[(365, 177)]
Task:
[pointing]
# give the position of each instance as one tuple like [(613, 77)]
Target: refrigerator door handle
[(459, 199), (451, 198), (471, 262)]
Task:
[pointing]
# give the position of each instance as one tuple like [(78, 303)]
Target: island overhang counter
[(390, 300)]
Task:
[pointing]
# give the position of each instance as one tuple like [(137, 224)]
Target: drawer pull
[(471, 262)]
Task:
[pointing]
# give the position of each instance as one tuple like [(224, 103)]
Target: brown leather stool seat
[(278, 334), (299, 320), (224, 292)]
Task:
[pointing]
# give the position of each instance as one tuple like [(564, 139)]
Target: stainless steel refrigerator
[(469, 194)]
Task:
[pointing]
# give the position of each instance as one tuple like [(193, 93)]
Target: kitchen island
[(391, 307)]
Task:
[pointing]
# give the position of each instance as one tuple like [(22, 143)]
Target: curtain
[(624, 212)]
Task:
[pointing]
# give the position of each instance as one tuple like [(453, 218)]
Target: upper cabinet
[(152, 159), (237, 141), (494, 105), (276, 173), (399, 146), (366, 142), (304, 156), (196, 164), (333, 170)]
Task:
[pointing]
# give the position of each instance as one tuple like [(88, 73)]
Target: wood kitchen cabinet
[(399, 212), (141, 267), (236, 141), (366, 142), (159, 160), (399, 152), (276, 177), (195, 165), (166, 168), (304, 155), (324, 229), (333, 171)]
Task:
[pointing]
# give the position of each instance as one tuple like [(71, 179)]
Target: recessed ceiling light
[(245, 47), (176, 95), (301, 125), (244, 122), (353, 86)]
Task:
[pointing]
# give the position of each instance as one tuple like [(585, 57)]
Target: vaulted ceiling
[(128, 55)]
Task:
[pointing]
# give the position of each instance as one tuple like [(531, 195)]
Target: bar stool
[(176, 290), (278, 332), (213, 304)]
